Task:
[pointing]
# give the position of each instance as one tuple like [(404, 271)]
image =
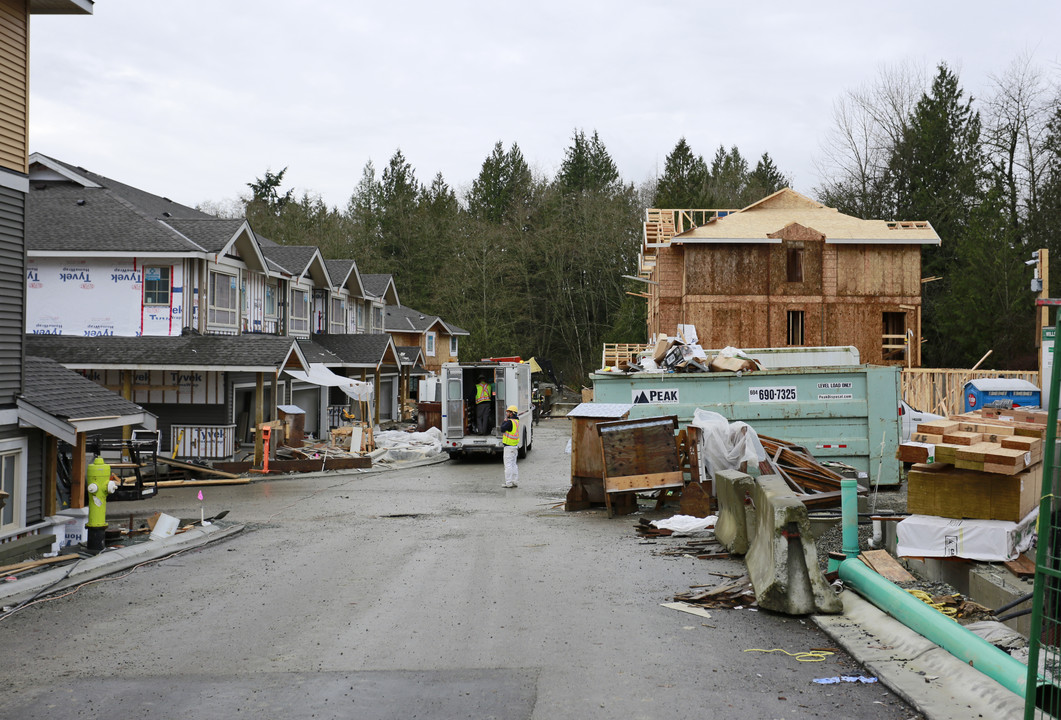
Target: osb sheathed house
[(787, 271)]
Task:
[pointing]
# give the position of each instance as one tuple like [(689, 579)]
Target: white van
[(909, 419), (511, 384)]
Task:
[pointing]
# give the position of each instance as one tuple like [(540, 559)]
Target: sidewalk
[(110, 561), (929, 678)]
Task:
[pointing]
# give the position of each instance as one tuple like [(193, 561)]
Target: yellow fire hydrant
[(99, 486)]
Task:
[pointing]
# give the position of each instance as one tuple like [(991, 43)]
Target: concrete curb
[(109, 562), (926, 676)]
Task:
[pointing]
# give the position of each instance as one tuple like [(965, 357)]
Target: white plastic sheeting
[(686, 524), (319, 374), (725, 445), (405, 446)]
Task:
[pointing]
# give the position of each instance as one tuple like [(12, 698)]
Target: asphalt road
[(428, 592)]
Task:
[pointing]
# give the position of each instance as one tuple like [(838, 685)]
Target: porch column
[(259, 409), (127, 393), (77, 473), (51, 467), (376, 389)]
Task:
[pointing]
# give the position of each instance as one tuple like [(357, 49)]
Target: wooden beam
[(51, 467), (77, 473), (376, 388), (259, 401)]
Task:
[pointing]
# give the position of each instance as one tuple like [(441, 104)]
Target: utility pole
[(1041, 285)]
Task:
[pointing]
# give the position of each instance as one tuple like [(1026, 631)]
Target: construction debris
[(732, 595), (683, 354)]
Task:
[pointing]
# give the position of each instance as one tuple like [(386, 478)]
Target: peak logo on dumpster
[(668, 396)]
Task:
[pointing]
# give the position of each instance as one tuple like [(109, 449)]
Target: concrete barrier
[(764, 516), (736, 520)]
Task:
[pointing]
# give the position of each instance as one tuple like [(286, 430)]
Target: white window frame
[(16, 448), (337, 315), (377, 319), (272, 290), (214, 309), (361, 317), (453, 345), (169, 284), (300, 323), (430, 338)]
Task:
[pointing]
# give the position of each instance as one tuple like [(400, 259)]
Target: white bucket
[(165, 527)]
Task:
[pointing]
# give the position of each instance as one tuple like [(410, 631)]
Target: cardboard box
[(945, 491), (982, 540), (662, 346), (722, 363)]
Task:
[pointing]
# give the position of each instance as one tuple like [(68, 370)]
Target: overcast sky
[(194, 99)]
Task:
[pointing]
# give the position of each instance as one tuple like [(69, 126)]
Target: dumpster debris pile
[(684, 354)]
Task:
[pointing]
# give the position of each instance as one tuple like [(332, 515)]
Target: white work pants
[(511, 471)]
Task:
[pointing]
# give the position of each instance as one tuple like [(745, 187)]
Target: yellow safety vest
[(511, 437), (482, 393)]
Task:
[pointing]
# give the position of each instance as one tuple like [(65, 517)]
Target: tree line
[(533, 265)]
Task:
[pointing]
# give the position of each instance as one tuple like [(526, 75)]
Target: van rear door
[(453, 403)]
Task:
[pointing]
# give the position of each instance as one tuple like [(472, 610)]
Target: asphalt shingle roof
[(398, 318), (213, 351), (71, 218), (338, 270), (155, 206), (376, 285), (69, 395), (212, 234), (356, 349), (294, 259), (316, 353)]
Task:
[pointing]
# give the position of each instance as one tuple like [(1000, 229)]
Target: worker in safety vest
[(484, 406), (510, 439)]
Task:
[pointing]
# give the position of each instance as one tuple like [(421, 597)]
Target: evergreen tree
[(501, 191), (683, 181), (936, 170), (587, 166), (765, 179)]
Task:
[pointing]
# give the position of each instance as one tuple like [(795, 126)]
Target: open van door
[(453, 404)]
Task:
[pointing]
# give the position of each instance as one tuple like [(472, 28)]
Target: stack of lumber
[(975, 466), (816, 485)]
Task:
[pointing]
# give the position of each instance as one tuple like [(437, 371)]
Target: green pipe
[(968, 647), (848, 521), (849, 517)]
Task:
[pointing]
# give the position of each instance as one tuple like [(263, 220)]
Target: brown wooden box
[(941, 490)]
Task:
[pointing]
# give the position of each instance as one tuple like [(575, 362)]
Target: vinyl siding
[(14, 84), (12, 293)]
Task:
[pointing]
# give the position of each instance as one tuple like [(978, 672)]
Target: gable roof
[(299, 261), (344, 274), (398, 318), (223, 237), (63, 402), (764, 218), (363, 350), (227, 353), (381, 287), (410, 355)]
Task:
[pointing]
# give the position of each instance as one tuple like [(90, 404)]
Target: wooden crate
[(945, 491)]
